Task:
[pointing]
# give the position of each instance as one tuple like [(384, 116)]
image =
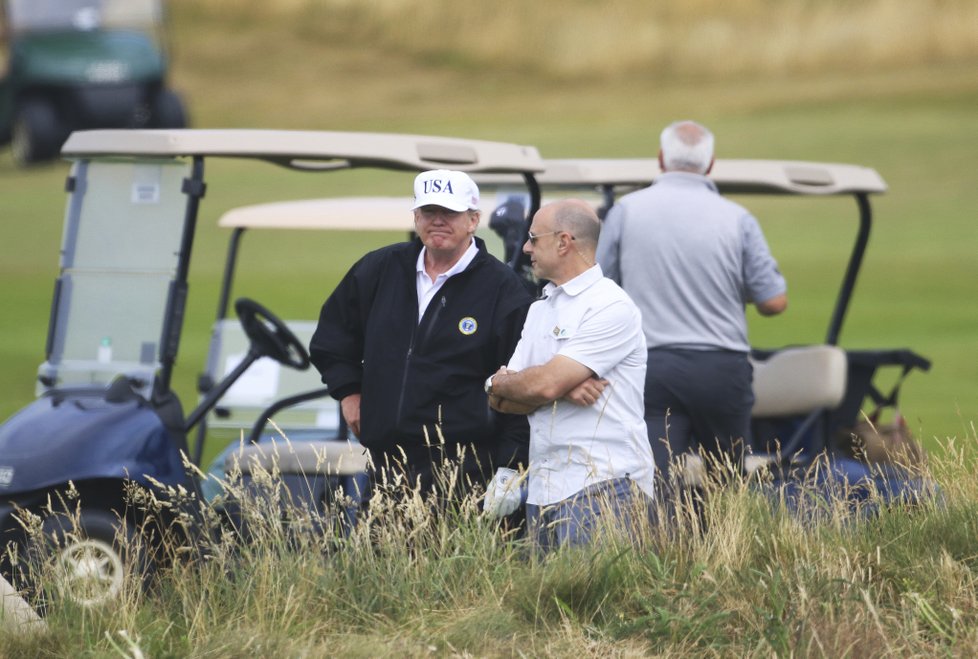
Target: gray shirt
[(691, 260)]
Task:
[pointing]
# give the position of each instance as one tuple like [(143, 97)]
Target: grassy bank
[(754, 581)]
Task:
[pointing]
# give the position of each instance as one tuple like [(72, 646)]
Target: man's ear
[(710, 168)]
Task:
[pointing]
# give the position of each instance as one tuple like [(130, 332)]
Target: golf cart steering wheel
[(269, 336)]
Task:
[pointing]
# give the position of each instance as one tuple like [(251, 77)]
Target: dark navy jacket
[(423, 377)]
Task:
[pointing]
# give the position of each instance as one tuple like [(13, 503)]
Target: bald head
[(577, 217), (562, 241)]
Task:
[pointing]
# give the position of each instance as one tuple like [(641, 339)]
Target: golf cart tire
[(168, 111), (86, 558), (37, 133)]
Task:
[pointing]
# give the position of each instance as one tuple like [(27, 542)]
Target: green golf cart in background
[(68, 65)]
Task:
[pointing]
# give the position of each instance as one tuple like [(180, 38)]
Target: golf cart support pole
[(519, 260), (194, 188), (852, 270), (607, 197), (229, 267), (204, 383)]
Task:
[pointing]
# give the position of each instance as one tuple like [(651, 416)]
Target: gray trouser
[(697, 400)]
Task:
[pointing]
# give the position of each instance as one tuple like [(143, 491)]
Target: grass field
[(820, 578), (914, 122)]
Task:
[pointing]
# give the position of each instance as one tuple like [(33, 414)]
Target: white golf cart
[(307, 421), (808, 398), (106, 419)]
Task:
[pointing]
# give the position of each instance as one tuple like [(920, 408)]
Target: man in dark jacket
[(407, 339)]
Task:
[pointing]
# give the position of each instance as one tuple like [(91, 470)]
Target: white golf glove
[(503, 495)]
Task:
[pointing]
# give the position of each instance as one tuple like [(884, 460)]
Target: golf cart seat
[(266, 383), (808, 398), (799, 380), (323, 479), (794, 390), (326, 458)]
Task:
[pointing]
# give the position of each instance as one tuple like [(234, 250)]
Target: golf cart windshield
[(25, 16), (119, 257)]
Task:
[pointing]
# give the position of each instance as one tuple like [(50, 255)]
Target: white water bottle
[(105, 351)]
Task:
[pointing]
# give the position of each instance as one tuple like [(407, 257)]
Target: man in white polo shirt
[(579, 372)]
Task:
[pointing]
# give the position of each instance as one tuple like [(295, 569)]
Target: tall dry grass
[(632, 38), (755, 580)]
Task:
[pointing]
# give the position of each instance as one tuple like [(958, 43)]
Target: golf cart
[(808, 398), (106, 420), (271, 412), (80, 64)]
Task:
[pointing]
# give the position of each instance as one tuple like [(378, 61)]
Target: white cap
[(446, 188)]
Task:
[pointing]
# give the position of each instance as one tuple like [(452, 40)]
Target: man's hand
[(540, 385), (350, 406), (505, 406), (503, 371), (773, 306), (588, 392)]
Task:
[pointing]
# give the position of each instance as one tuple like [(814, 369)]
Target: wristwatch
[(488, 386)]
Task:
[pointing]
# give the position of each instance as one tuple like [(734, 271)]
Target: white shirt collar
[(459, 266), (578, 284)]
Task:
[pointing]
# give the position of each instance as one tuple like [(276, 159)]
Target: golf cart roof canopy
[(731, 176), (311, 150), (354, 213)]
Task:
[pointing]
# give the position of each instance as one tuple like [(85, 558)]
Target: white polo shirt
[(427, 288), (591, 320)]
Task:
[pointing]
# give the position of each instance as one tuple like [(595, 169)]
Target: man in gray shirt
[(692, 260)]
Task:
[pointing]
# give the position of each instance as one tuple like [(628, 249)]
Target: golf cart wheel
[(85, 558), (168, 111), (36, 134)]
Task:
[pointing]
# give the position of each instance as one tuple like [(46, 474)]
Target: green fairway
[(918, 127)]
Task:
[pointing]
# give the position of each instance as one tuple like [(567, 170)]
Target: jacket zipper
[(434, 320), (410, 352), (404, 378)]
